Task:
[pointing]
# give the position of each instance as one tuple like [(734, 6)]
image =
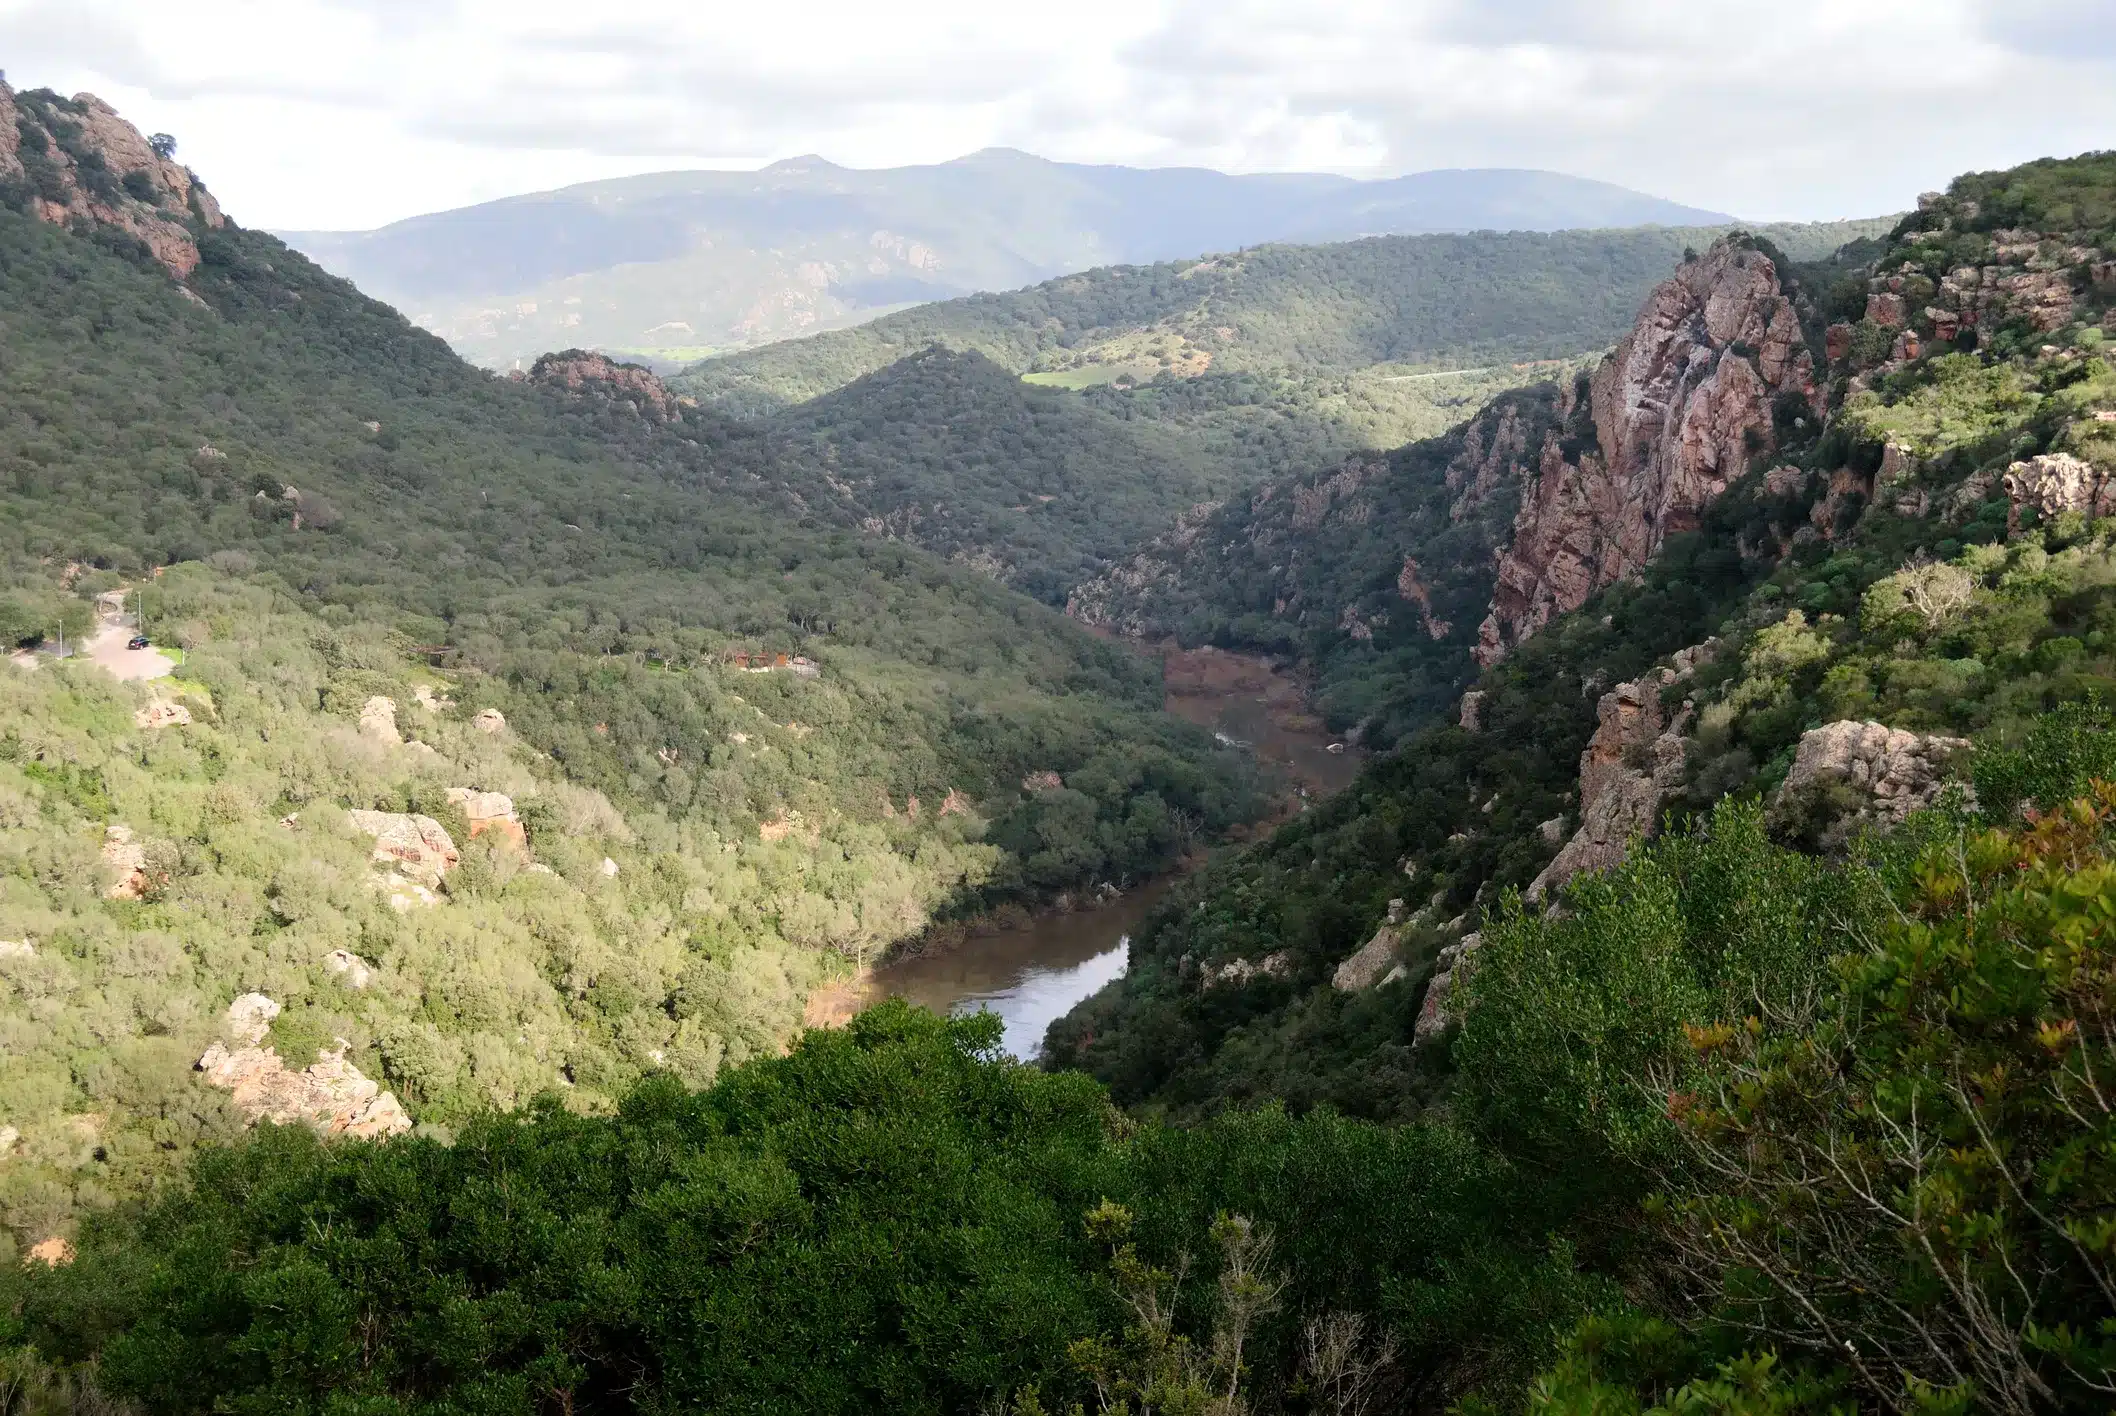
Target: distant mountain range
[(680, 265)]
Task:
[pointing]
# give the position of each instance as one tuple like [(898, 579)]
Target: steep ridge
[(1680, 409), (1807, 532)]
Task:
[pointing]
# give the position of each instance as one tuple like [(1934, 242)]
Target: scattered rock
[(249, 1018), (1239, 971), (351, 969), (17, 949), (418, 847), (1886, 309), (1042, 782), (609, 867), (378, 719), (1553, 830), (8, 1137), (489, 721)]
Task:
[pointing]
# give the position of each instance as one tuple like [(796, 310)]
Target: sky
[(347, 114)]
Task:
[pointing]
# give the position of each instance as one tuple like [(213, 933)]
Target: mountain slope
[(1306, 311), (562, 615), (677, 261), (1875, 504)]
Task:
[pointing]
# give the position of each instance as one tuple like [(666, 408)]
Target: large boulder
[(417, 848), (1373, 960), (1848, 773), (489, 811), (1440, 1009)]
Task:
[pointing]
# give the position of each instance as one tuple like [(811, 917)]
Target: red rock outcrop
[(76, 159), (1680, 407), (331, 1094), (591, 375)]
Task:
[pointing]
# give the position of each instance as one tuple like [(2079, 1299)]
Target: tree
[(164, 146)]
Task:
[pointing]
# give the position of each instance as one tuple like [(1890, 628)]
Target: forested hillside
[(794, 743), (1303, 311)]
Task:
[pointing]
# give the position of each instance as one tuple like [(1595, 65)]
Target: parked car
[(138, 641)]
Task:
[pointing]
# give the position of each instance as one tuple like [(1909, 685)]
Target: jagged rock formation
[(74, 160), (1888, 771), (604, 380), (2057, 482), (331, 1094), (1373, 960), (1435, 1016), (1634, 762), (1680, 408)]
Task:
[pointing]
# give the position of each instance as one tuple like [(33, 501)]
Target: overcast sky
[(352, 113)]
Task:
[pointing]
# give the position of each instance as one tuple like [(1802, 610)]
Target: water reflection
[(1030, 977)]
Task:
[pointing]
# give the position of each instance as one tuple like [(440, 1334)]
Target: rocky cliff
[(604, 380), (1681, 409), (74, 162)]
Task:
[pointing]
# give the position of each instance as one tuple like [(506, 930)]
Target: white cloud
[(323, 113)]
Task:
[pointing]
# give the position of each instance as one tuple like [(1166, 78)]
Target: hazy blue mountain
[(678, 265)]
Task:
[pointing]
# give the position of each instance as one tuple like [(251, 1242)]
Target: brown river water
[(1033, 975)]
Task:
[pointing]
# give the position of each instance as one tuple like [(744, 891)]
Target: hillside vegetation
[(1299, 311)]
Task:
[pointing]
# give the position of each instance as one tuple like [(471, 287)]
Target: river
[(1033, 975)]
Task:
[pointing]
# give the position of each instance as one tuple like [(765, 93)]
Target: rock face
[(1435, 1016), (126, 859), (604, 380), (418, 849), (490, 811), (1633, 763), (330, 1095), (1892, 772), (1680, 407), (378, 720), (1373, 960), (350, 968), (1472, 716), (75, 159), (2055, 483)]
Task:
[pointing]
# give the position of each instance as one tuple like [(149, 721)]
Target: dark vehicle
[(138, 641)]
